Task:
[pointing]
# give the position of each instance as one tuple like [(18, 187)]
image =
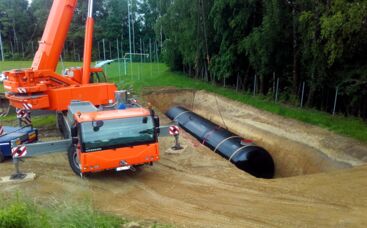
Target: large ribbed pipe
[(242, 153)]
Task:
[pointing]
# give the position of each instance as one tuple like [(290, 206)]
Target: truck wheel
[(74, 160)]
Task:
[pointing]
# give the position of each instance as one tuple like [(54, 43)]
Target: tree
[(40, 10), (14, 20)]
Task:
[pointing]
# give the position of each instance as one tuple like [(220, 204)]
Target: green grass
[(4, 66), (19, 211), (144, 75), (152, 75), (42, 122)]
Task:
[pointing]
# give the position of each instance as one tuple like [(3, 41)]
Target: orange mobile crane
[(96, 139), (40, 87)]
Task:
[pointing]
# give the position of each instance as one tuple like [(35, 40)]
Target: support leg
[(17, 175)]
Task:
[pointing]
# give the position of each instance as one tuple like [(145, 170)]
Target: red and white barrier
[(27, 106), (19, 151), (20, 113), (174, 130), (24, 116), (22, 90), (2, 131), (26, 120)]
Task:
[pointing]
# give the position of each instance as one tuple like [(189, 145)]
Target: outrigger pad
[(172, 150), (17, 178)]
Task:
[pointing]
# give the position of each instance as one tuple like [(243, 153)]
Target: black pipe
[(241, 152)]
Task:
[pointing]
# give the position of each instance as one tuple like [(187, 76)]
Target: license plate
[(123, 168)]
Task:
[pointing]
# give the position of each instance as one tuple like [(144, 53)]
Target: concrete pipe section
[(243, 153)]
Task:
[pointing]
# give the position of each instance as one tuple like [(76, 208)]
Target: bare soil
[(324, 176)]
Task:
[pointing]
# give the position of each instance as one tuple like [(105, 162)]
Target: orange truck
[(98, 136), (99, 140), (111, 139)]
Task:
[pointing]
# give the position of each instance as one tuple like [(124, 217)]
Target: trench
[(296, 148)]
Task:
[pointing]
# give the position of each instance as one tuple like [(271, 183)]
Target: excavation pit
[(297, 148)]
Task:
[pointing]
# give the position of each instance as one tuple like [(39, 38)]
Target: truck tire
[(73, 160)]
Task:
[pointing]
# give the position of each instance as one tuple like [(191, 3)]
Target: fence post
[(125, 66), (237, 82), (303, 93), (273, 83), (157, 56), (23, 50), (255, 81), (141, 59), (74, 52), (277, 91), (336, 99), (104, 50), (62, 64), (110, 50), (32, 47), (1, 49), (150, 57), (118, 58)]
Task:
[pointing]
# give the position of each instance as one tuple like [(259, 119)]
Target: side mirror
[(157, 124), (97, 125), (156, 121), (75, 140), (145, 120), (74, 131)]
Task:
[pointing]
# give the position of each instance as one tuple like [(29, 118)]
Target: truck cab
[(111, 139)]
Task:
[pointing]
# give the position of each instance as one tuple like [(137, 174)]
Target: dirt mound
[(297, 148)]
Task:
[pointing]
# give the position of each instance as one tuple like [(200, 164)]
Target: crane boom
[(54, 35), (88, 41)]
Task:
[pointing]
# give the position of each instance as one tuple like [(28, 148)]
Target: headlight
[(15, 142), (32, 135)]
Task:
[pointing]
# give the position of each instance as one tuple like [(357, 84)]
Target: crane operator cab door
[(97, 77)]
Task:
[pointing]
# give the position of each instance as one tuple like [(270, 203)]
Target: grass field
[(159, 75), (143, 75), (20, 211)]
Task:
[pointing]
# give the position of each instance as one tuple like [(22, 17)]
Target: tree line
[(320, 43), (315, 48), (22, 25)]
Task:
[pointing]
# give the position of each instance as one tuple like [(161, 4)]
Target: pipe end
[(255, 161)]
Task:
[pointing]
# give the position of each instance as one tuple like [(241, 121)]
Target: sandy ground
[(198, 188)]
